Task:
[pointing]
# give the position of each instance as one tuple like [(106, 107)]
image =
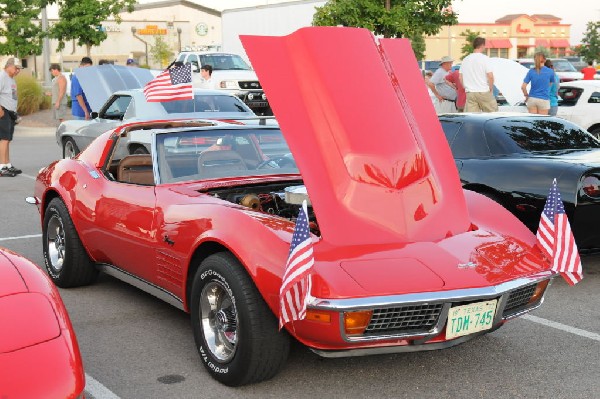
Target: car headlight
[(250, 96), (590, 186), (229, 84)]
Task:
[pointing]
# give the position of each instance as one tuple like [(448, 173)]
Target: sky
[(575, 12)]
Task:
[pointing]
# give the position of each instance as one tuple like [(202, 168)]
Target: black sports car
[(513, 158)]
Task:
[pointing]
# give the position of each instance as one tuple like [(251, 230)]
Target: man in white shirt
[(478, 80)]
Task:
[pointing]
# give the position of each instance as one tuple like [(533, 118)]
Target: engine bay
[(280, 199)]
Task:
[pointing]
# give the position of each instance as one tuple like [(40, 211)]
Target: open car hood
[(357, 116), (100, 82)]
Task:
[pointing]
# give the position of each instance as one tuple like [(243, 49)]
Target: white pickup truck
[(231, 73)]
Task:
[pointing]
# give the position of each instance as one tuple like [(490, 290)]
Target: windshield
[(207, 103), (509, 136), (563, 66), (211, 153), (221, 62)]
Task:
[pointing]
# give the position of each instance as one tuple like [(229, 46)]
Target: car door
[(569, 103), (116, 216), (109, 117), (124, 220)]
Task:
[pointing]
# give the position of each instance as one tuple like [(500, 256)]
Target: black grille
[(518, 299), (250, 85), (404, 319)]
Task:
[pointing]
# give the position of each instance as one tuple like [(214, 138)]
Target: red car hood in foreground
[(369, 181), (39, 355)]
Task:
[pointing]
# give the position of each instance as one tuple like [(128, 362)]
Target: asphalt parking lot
[(136, 346)]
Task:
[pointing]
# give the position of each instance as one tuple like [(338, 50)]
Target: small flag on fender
[(174, 83), (296, 283), (556, 240)]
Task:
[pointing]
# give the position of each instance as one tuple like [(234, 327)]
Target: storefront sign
[(152, 30)]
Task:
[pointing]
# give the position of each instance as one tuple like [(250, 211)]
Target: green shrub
[(46, 102), (30, 94)]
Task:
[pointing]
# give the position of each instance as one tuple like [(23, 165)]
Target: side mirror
[(94, 115)]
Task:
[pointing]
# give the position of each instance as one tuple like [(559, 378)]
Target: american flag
[(172, 84), (295, 287), (556, 239)]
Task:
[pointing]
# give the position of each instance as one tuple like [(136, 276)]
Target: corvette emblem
[(467, 265)]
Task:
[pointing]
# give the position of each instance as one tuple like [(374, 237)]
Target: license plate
[(469, 319)]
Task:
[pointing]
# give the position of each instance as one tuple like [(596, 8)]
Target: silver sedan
[(131, 105)]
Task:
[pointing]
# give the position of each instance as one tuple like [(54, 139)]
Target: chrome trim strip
[(396, 349), (144, 285), (498, 291), (469, 294)]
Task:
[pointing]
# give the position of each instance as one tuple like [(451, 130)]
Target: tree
[(541, 49), (161, 52), (417, 42), (389, 18), (467, 48), (81, 20), (23, 37), (590, 44)]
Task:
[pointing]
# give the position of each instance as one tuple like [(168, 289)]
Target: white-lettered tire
[(65, 258), (235, 331)]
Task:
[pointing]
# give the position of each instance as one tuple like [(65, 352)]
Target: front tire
[(65, 258), (70, 149), (235, 331)]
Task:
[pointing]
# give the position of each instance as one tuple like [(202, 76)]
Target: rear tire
[(65, 258), (70, 149), (595, 132), (235, 331)]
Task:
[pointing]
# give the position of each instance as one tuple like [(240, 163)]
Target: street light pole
[(179, 38), (46, 48), (133, 30)]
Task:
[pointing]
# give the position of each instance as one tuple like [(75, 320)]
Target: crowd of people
[(471, 88)]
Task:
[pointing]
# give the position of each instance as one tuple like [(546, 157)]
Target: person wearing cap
[(79, 105), (8, 114), (131, 62), (59, 93), (444, 91), (478, 79)]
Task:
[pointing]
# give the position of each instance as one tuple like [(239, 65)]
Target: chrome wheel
[(70, 149), (219, 320), (56, 242)]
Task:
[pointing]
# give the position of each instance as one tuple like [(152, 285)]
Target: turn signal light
[(355, 323), (539, 291), (315, 315)]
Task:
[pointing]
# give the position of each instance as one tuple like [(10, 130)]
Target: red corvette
[(404, 259), (39, 356)]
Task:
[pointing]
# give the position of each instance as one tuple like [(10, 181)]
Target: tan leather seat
[(218, 163), (136, 169)]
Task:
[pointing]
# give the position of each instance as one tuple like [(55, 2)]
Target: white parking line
[(563, 327), (27, 176), (20, 237), (97, 390)]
